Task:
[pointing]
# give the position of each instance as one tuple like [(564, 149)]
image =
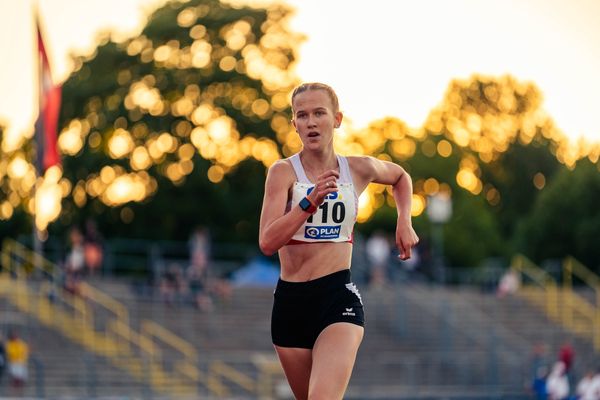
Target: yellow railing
[(18, 259), (134, 340), (562, 304), (76, 318), (118, 312), (153, 330), (137, 352), (187, 365), (573, 268), (188, 355), (219, 368), (269, 369), (542, 280)]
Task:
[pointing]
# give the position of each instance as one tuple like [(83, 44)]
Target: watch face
[(304, 204)]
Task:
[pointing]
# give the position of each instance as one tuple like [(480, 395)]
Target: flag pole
[(38, 246), (46, 127)]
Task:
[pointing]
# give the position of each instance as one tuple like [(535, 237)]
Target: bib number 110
[(338, 212)]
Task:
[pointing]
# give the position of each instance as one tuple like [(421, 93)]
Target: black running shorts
[(301, 310)]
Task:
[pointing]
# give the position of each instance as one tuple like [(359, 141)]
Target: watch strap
[(308, 205)]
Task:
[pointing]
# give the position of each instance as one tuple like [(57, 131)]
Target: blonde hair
[(317, 86)]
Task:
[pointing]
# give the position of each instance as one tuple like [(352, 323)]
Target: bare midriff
[(305, 262)]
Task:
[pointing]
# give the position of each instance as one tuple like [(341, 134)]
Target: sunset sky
[(384, 57)]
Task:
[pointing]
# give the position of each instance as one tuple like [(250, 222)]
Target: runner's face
[(314, 118)]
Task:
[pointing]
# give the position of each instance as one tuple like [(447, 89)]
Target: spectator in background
[(75, 261), (539, 383), (557, 384), (171, 284), (538, 358), (93, 247), (509, 283), (378, 254), (201, 274), (197, 280), (566, 354), (17, 355), (588, 388), (200, 247)]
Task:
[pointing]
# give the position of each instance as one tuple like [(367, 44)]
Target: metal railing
[(562, 303), (573, 268), (141, 353), (544, 290)]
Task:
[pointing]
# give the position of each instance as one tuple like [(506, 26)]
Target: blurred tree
[(506, 141), (472, 235), (565, 218), (174, 128), (490, 146), (17, 178), (157, 128)]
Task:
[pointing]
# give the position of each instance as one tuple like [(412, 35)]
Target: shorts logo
[(349, 313), (322, 232)]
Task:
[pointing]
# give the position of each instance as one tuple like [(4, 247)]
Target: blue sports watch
[(307, 205)]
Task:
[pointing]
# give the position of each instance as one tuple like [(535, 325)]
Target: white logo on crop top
[(322, 232)]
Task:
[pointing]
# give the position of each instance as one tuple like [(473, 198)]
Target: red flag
[(46, 125)]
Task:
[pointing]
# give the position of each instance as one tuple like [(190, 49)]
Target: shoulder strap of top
[(299, 169), (345, 175)]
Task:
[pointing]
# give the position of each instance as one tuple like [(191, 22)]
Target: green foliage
[(565, 218), (513, 175), (100, 92), (495, 132), (491, 127), (472, 235), (13, 218)]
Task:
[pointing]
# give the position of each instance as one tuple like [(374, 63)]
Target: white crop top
[(334, 219)]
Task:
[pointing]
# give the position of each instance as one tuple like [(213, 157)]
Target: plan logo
[(322, 232)]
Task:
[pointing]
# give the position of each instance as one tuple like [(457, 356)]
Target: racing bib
[(334, 219)]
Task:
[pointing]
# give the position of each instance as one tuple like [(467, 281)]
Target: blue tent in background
[(259, 272)]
